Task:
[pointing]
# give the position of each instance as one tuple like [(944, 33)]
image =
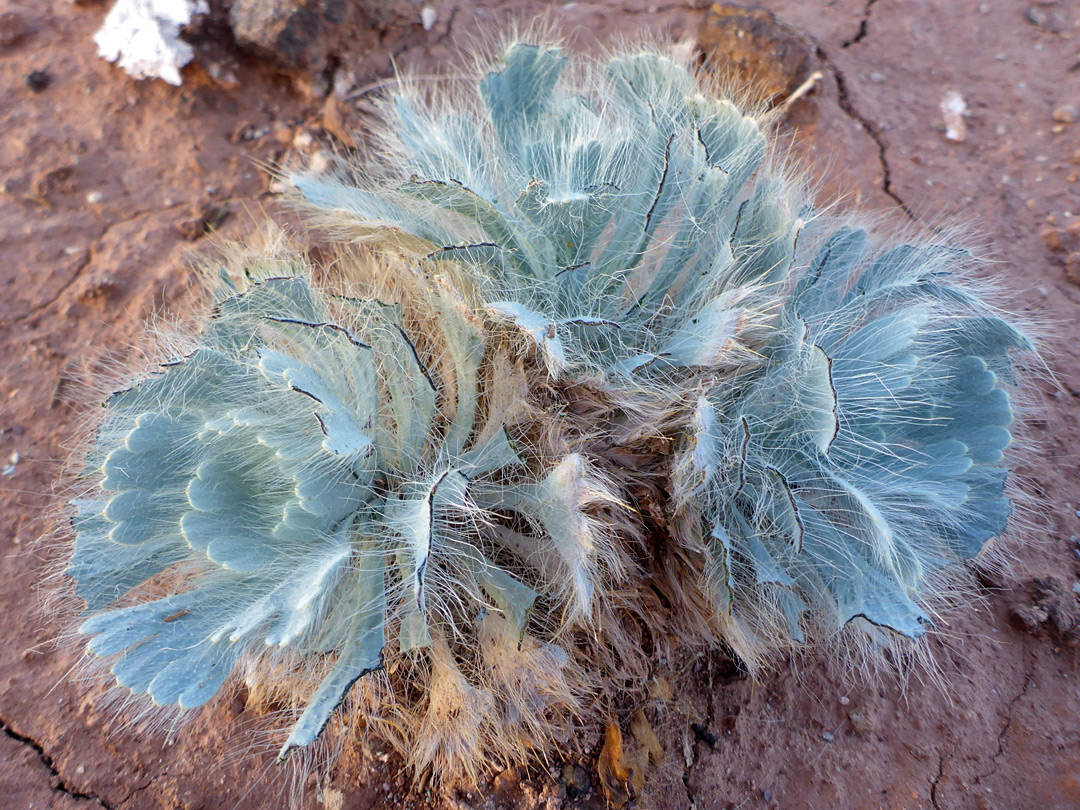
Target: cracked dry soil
[(100, 174)]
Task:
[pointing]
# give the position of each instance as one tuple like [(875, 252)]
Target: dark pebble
[(703, 734), (38, 80), (576, 780), (1036, 16)]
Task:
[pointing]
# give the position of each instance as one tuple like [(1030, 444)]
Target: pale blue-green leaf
[(859, 589), (413, 519), (514, 599), (628, 365), (707, 450), (818, 398), (287, 297), (465, 343), (704, 339), (496, 454), (412, 392), (556, 504), (719, 562), (519, 93), (369, 208), (360, 655), (452, 196)]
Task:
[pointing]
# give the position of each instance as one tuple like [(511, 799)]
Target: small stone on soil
[(860, 721), (38, 80), (953, 109), (1036, 16), (1052, 238), (1051, 608), (1065, 113), (576, 780), (703, 734), (1044, 19), (428, 17), (754, 48), (12, 29), (1072, 273), (207, 217)]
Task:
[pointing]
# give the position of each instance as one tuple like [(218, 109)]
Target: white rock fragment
[(143, 37), (953, 110), (428, 17)]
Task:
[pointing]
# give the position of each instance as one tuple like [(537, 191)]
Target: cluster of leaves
[(292, 481), (616, 230), (840, 411), (867, 455), (849, 441)]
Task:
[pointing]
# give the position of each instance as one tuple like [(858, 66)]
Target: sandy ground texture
[(107, 184)]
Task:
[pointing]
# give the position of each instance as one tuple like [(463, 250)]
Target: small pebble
[(303, 139), (38, 80), (845, 700), (1065, 114), (428, 17), (12, 28), (826, 736), (766, 795), (1036, 16)]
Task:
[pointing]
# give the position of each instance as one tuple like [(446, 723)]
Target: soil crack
[(1008, 723), (868, 126), (449, 26), (57, 782), (937, 779), (89, 256), (76, 273), (137, 791), (864, 23)]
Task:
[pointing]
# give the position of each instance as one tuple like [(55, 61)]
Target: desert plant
[(848, 445), (606, 220), (327, 470), (866, 457), (308, 489)]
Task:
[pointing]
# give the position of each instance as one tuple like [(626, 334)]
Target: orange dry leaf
[(622, 770), (613, 773)]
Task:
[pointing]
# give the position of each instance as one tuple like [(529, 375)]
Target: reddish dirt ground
[(103, 180)]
